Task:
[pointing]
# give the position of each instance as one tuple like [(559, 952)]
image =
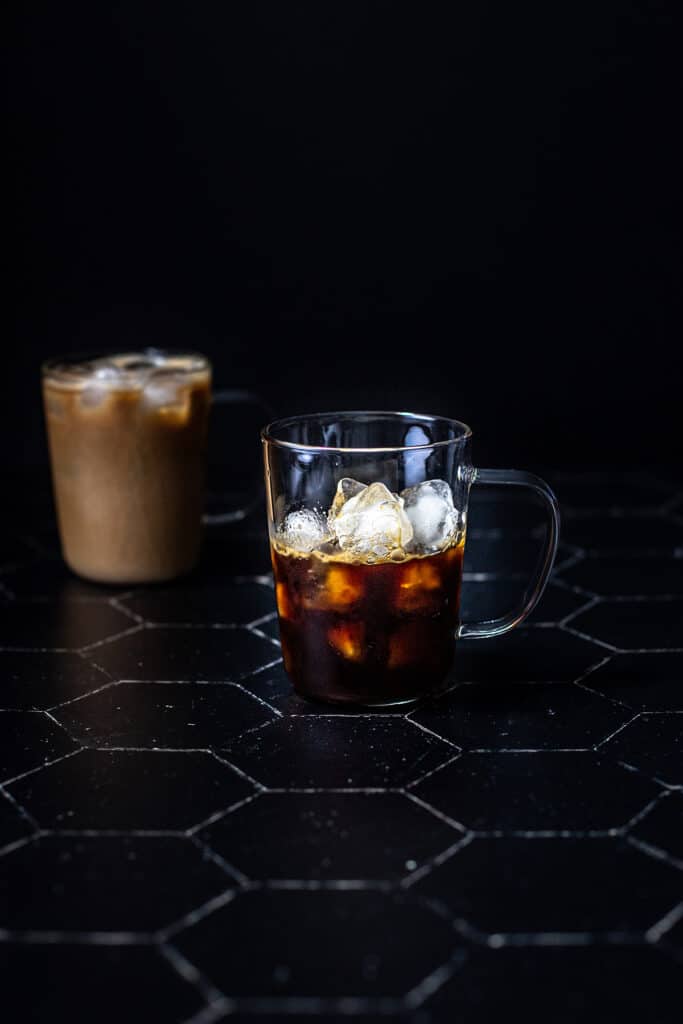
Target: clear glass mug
[(127, 434), (368, 577)]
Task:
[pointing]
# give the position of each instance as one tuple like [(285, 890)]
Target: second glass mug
[(368, 578)]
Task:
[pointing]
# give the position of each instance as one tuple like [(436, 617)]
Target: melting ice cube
[(164, 388), (372, 523), (433, 516), (102, 380), (346, 489), (304, 530)]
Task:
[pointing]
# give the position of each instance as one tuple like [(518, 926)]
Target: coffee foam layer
[(331, 553)]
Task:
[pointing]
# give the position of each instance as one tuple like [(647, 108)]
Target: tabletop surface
[(184, 840)]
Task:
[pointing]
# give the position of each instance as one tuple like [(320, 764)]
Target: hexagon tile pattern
[(183, 840)]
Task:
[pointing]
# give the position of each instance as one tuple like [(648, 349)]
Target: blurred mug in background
[(127, 434)]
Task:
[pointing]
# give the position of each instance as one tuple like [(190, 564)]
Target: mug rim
[(268, 437)]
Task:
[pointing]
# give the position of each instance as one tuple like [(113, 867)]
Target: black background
[(466, 209)]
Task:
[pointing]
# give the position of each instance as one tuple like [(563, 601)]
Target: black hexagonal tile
[(634, 624), (662, 827), (253, 1016), (330, 836), (522, 716), (562, 984), (174, 715), (100, 789), (605, 491), (50, 578), (623, 533), (106, 883), (516, 885), (74, 982), (245, 552), (503, 509), (274, 686), (13, 550), (271, 628), (489, 599), (526, 656), (537, 792), (673, 938), (653, 744), (237, 602), (617, 575), (644, 682), (217, 655), (336, 751), (504, 554), (29, 739), (56, 624), (30, 679), (13, 826), (360, 943)]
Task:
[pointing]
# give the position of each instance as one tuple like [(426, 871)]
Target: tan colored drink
[(127, 436)]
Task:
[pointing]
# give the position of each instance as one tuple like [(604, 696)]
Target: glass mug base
[(403, 702), (388, 703)]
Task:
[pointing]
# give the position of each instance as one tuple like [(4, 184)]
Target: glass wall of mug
[(367, 516)]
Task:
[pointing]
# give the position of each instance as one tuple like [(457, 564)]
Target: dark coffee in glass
[(370, 633), (367, 516)]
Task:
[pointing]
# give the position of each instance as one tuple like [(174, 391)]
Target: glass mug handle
[(236, 397), (535, 588)]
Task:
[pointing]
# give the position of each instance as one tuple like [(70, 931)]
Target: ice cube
[(372, 524), (107, 374), (101, 382), (346, 488), (164, 388), (304, 530), (434, 518)]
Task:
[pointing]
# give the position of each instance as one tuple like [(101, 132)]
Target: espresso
[(367, 633), (127, 438)]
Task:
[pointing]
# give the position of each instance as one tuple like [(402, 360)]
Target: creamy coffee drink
[(127, 436)]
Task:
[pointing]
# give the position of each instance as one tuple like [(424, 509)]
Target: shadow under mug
[(361, 622), (127, 435)]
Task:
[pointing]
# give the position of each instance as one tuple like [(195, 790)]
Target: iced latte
[(127, 436)]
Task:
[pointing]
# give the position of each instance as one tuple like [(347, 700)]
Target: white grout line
[(192, 975), (665, 924), (451, 822), (430, 732), (40, 767), (86, 648), (434, 981), (591, 639), (196, 915), (655, 852), (222, 813), (616, 732), (93, 938)]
